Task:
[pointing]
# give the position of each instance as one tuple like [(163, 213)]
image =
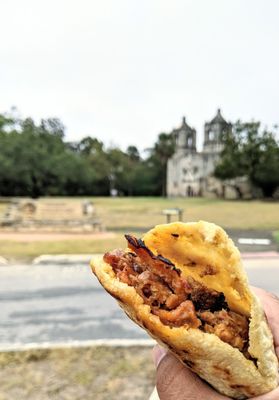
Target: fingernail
[(158, 353)]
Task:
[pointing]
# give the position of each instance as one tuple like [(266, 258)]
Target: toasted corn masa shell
[(204, 251)]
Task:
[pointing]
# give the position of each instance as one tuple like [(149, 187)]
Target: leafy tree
[(92, 150), (6, 122), (35, 161), (128, 173), (90, 146), (133, 153), (266, 172), (250, 152), (159, 155), (53, 126), (121, 171)]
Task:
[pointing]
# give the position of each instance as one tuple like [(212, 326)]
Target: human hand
[(175, 382)]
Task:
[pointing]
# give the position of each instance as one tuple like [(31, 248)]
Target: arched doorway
[(189, 191)]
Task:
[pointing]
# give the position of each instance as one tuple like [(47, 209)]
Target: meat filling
[(177, 301)]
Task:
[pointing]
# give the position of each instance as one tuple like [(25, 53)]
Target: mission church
[(189, 172)]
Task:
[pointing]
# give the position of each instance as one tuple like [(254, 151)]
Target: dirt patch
[(98, 373)]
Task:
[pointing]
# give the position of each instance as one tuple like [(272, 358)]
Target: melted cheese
[(204, 251)]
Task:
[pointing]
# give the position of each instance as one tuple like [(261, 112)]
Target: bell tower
[(213, 133), (185, 138)]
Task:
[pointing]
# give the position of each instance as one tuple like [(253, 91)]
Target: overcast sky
[(125, 70)]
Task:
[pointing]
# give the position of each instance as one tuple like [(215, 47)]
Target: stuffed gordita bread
[(185, 285)]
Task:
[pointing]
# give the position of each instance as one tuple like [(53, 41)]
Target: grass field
[(26, 251), (94, 373), (146, 212), (135, 215), (142, 212)]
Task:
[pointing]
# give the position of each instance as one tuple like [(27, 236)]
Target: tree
[(6, 121), (90, 146), (53, 126), (121, 171), (92, 150), (253, 153), (266, 173), (159, 155), (36, 161), (133, 153)]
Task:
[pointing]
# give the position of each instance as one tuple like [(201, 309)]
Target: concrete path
[(56, 303)]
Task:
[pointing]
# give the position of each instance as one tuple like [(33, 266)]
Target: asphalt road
[(57, 303)]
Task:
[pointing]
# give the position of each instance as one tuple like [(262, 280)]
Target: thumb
[(176, 382)]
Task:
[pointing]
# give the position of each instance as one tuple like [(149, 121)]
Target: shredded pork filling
[(177, 301)]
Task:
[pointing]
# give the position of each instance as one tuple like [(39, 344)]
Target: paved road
[(61, 303)]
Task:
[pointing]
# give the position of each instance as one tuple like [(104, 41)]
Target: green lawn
[(138, 214), (26, 251), (142, 212), (276, 236)]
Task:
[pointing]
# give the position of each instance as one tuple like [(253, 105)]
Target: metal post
[(180, 214)]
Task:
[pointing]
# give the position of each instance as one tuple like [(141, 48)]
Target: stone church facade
[(189, 172)]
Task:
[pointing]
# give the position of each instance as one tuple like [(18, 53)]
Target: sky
[(125, 70)]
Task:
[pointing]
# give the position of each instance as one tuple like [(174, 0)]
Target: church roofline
[(217, 119), (183, 125)]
